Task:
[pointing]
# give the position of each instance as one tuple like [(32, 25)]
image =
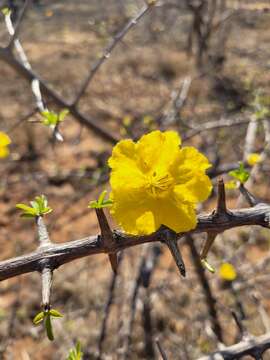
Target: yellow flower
[(231, 185), (154, 182), (227, 272), (253, 159), (4, 142)]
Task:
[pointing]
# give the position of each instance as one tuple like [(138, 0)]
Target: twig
[(252, 201), (35, 85), (107, 309), (212, 125), (240, 326), (20, 121), (210, 300), (107, 52), (148, 264), (29, 75), (17, 28), (161, 351), (178, 100), (254, 346)]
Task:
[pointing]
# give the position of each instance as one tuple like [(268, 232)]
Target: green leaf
[(75, 353), (240, 174), (63, 113), (51, 118), (39, 318), (35, 206), (100, 203), (6, 11), (207, 266), (101, 197), (27, 210), (38, 207), (48, 326), (28, 216), (55, 313)]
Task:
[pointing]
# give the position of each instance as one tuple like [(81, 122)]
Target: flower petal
[(196, 190), (4, 139), (4, 151), (158, 150), (127, 181), (135, 219), (189, 162), (179, 217)]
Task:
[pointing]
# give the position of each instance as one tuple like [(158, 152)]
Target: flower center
[(159, 185)]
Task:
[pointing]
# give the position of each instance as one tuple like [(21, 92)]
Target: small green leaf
[(6, 11), (51, 118), (55, 313), (63, 113), (240, 174), (100, 203), (75, 353), (48, 326), (101, 197), (28, 216), (207, 266), (27, 210), (38, 207), (39, 318)]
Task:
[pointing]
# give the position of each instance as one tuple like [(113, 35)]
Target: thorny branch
[(250, 346), (58, 254)]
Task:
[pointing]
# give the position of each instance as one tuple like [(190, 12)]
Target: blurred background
[(199, 67)]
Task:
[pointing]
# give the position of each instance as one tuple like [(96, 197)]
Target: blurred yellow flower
[(227, 272), (253, 159), (231, 185), (154, 182), (4, 142)]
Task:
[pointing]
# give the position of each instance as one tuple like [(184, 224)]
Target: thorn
[(171, 242), (107, 239), (209, 242), (114, 262), (252, 201), (46, 279), (221, 200)]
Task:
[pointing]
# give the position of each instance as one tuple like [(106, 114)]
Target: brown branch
[(7, 56), (107, 52), (59, 254), (107, 308), (209, 297), (254, 346), (213, 125), (161, 350), (17, 29)]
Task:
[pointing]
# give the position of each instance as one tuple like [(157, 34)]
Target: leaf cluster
[(45, 316), (101, 202), (240, 174), (75, 353), (52, 119), (39, 207)]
